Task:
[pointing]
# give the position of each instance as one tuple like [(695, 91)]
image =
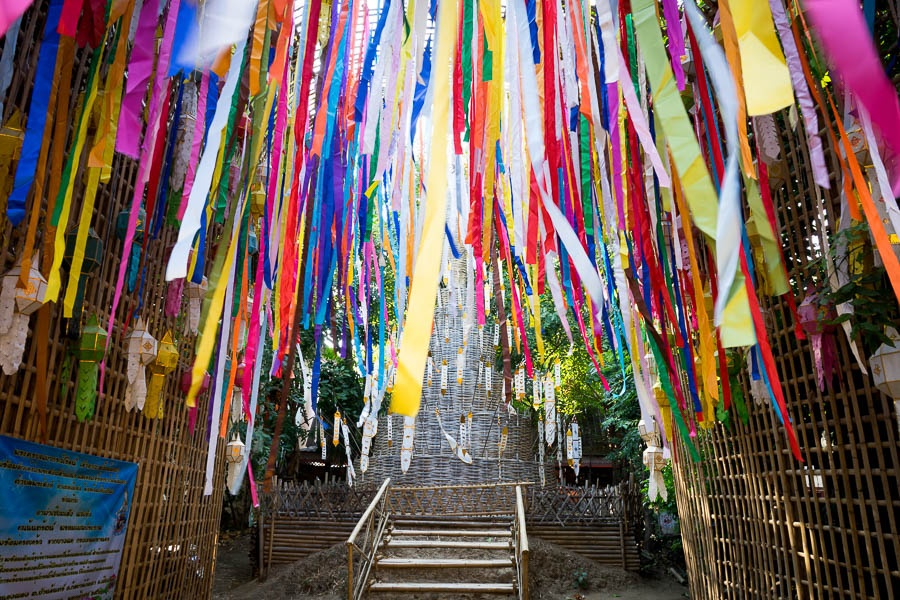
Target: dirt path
[(322, 576)]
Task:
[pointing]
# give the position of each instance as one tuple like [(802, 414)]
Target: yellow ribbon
[(767, 81), (423, 290), (730, 41), (737, 326), (708, 378), (54, 281), (775, 275)]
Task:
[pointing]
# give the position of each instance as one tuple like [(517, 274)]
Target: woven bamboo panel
[(755, 522), (171, 542)]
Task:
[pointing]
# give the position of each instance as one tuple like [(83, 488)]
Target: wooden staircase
[(463, 558), (475, 551)]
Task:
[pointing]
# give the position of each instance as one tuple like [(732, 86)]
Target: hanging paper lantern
[(195, 293), (93, 255), (758, 390), (174, 295), (759, 258), (134, 260), (653, 460), (187, 378), (813, 319), (31, 297), (91, 348), (16, 304), (234, 450), (239, 375), (234, 458), (165, 363), (13, 325), (142, 348), (885, 365), (665, 411)]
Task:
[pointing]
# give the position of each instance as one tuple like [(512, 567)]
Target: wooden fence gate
[(598, 523)]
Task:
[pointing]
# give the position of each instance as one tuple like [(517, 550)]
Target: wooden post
[(349, 571), (271, 539), (262, 539)]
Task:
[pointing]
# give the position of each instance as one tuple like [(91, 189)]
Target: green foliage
[(580, 578), (866, 289), (339, 387), (582, 393), (659, 505)]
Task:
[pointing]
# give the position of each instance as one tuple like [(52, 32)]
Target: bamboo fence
[(171, 541), (755, 522)]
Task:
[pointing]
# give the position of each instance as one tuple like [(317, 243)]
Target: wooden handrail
[(522, 545), (411, 488), (351, 541), (371, 508)]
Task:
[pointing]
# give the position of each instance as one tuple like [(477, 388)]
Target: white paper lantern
[(234, 450), (30, 298), (142, 350), (885, 366)]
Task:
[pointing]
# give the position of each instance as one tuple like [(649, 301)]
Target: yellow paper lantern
[(165, 363)]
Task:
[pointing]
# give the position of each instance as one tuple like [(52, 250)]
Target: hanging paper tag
[(337, 428), (390, 431), (406, 449)]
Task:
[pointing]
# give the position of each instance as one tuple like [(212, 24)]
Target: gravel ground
[(323, 576)]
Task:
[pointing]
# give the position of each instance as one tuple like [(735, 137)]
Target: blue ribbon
[(366, 78), (421, 89), (37, 117), (187, 22)]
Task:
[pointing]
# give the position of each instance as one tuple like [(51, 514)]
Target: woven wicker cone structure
[(433, 462)]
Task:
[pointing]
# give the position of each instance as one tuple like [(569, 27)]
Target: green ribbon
[(663, 369)]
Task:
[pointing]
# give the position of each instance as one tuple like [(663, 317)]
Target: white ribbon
[(190, 223), (728, 224)]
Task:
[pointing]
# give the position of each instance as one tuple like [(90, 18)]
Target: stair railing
[(521, 541), (372, 525)]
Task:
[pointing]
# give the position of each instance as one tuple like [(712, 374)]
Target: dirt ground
[(322, 576)]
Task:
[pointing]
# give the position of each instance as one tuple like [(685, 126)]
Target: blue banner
[(62, 521)]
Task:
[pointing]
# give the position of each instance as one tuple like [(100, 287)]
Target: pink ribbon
[(10, 10), (676, 40), (845, 38), (807, 108), (154, 131), (140, 67)]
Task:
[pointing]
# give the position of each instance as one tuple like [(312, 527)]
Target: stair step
[(444, 563), (453, 533), (434, 586), (447, 544), (470, 523)]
